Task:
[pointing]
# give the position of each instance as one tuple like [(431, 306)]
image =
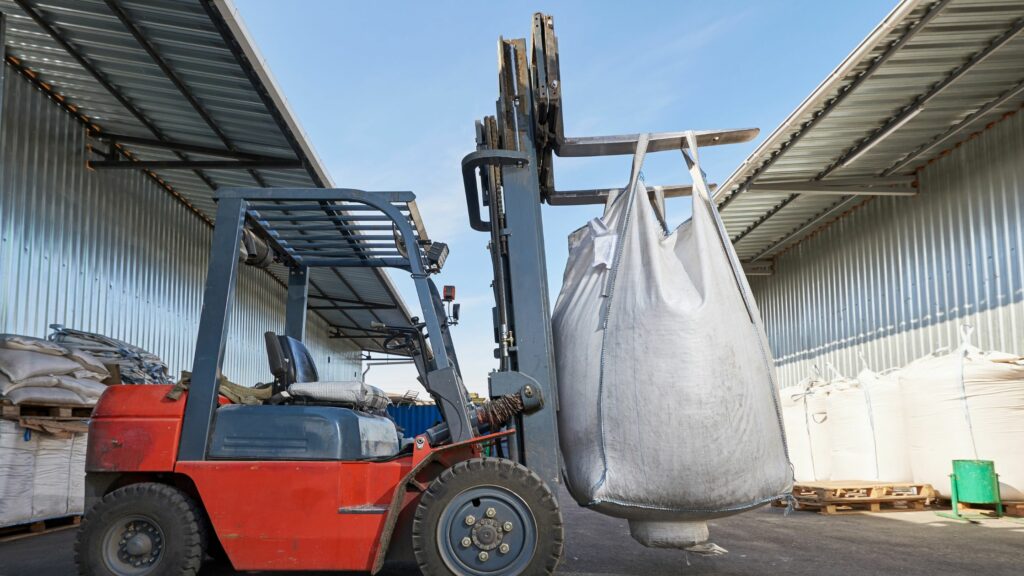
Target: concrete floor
[(760, 542)]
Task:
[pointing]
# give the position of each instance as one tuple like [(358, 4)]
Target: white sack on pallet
[(41, 476), (17, 469), (805, 415), (52, 477), (667, 409), (967, 404), (865, 422), (76, 476)]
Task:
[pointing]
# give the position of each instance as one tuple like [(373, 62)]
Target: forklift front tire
[(487, 516), (144, 529)]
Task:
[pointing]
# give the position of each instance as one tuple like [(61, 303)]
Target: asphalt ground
[(761, 542)]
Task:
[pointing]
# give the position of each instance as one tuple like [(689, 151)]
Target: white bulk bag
[(667, 412), (17, 472), (966, 405), (805, 415), (865, 419)]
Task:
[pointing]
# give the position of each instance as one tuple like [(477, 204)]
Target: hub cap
[(132, 546), (500, 539)]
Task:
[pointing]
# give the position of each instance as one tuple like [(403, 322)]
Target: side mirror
[(455, 312)]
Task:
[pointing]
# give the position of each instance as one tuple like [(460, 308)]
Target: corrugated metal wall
[(111, 252), (895, 279)]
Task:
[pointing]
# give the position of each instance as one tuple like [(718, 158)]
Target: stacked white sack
[(805, 416), (41, 476), (34, 371), (667, 409), (866, 428), (966, 405)]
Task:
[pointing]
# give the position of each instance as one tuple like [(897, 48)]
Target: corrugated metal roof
[(182, 72), (931, 74)]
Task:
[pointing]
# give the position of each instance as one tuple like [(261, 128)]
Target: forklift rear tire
[(487, 516), (145, 529)]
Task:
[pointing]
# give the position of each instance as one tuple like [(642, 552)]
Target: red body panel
[(297, 515), (134, 429), (269, 515)]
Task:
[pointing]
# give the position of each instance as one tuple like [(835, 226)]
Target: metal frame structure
[(931, 70), (278, 216), (165, 121), (514, 165)]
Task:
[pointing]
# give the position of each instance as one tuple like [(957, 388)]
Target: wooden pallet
[(17, 411), (1013, 509), (20, 531), (62, 421), (844, 497)]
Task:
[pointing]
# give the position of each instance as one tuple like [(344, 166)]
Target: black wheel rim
[(133, 546), (487, 530)]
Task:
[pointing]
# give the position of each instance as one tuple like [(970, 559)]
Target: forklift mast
[(508, 177)]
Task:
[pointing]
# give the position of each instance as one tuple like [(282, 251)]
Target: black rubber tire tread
[(488, 471), (181, 521)]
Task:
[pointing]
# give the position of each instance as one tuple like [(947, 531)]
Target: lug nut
[(483, 556), (470, 520), (466, 542), (503, 548), (507, 526), (491, 512)]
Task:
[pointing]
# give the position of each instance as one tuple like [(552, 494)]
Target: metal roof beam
[(877, 63), (807, 227), (921, 101), (171, 75), (329, 307), (100, 78), (194, 164), (899, 120), (821, 189), (758, 269), (957, 128), (856, 181), (182, 146)]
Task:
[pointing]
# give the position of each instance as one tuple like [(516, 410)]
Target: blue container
[(414, 420)]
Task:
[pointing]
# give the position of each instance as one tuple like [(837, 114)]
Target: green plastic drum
[(976, 481)]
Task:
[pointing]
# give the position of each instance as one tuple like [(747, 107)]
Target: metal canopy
[(176, 89), (931, 74)]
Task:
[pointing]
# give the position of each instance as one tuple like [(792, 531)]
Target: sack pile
[(966, 405), (41, 476), (667, 409), (34, 371), (136, 366), (909, 425)]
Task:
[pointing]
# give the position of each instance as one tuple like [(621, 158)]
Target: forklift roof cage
[(315, 227)]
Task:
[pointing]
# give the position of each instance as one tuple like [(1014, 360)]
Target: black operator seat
[(325, 421), (295, 373)]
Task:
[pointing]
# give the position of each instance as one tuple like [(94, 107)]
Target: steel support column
[(3, 80), (298, 296), (213, 329)]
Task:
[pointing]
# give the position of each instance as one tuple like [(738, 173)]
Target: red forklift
[(318, 477)]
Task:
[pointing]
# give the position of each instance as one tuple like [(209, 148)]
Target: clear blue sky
[(388, 91)]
